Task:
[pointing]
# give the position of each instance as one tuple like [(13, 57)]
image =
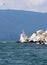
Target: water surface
[(12, 53)]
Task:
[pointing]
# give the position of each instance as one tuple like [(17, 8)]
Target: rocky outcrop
[(23, 37), (39, 36)]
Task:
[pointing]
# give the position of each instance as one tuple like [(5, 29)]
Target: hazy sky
[(29, 5)]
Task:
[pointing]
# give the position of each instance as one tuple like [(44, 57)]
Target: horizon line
[(22, 10)]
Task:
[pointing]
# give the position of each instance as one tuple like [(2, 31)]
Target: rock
[(23, 37), (39, 37)]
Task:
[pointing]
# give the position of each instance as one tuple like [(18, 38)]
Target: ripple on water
[(12, 53)]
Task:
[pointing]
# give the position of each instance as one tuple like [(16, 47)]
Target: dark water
[(12, 53)]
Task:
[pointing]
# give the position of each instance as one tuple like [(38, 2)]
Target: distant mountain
[(13, 22)]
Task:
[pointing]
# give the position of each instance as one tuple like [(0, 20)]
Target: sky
[(27, 5)]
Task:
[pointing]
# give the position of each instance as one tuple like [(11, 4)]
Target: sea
[(12, 53)]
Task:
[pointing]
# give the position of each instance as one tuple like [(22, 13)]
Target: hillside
[(12, 22)]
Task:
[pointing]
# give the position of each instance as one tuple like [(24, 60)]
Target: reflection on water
[(12, 53)]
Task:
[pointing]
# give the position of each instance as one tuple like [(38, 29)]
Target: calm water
[(12, 53)]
